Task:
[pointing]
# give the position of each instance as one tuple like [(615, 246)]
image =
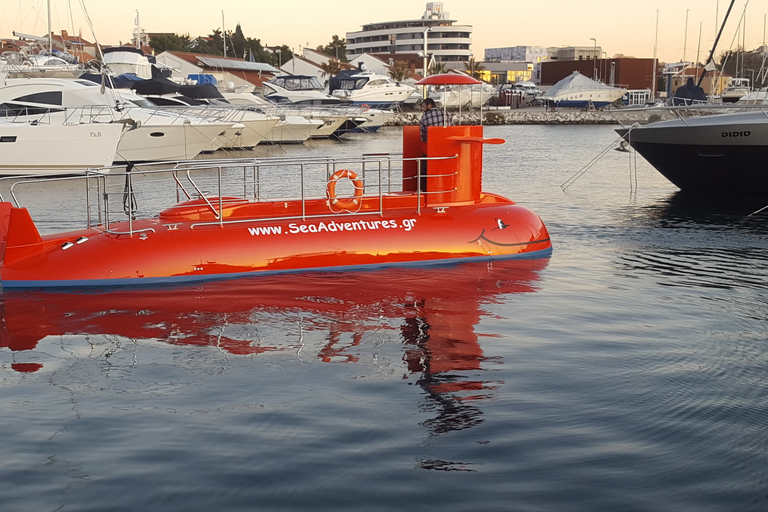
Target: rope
[(570, 181), (129, 198)]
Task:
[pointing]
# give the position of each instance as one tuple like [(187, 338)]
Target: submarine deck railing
[(140, 191)]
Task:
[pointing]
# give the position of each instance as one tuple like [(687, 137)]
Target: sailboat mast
[(717, 39), (698, 48), (224, 34), (50, 32), (685, 38), (655, 46)]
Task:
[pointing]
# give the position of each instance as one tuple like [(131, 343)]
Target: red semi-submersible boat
[(227, 218)]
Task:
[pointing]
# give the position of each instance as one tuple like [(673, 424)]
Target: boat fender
[(345, 203)]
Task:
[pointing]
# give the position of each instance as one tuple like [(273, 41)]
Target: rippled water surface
[(627, 372)]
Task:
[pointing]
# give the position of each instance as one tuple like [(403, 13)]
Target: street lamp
[(594, 59), (424, 94)]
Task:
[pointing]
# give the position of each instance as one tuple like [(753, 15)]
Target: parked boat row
[(55, 104), (100, 125)]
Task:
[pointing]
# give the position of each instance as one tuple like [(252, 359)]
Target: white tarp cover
[(575, 82)]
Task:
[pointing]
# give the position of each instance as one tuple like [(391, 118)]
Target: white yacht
[(152, 135), (129, 60), (735, 90), (369, 90), (204, 101), (756, 97), (55, 144), (578, 91), (462, 96), (297, 90), (37, 65), (332, 121)]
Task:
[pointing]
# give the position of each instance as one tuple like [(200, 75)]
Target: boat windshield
[(351, 84), (303, 83), (141, 102)]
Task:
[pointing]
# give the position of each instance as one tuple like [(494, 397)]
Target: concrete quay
[(535, 115)]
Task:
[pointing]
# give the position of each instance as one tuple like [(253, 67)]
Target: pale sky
[(628, 28)]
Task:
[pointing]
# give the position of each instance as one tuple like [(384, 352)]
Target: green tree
[(331, 68), (337, 49), (237, 44), (474, 68), (399, 70), (437, 68), (211, 45), (745, 64), (173, 42)]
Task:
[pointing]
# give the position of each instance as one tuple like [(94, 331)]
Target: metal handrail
[(258, 180)]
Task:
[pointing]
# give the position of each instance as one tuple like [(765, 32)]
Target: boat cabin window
[(353, 83), (16, 109), (45, 98), (378, 82), (168, 102), (141, 102), (292, 84), (87, 83), (298, 83)]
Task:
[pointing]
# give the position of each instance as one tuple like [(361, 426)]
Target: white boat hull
[(293, 130), (184, 141), (56, 149), (247, 133)]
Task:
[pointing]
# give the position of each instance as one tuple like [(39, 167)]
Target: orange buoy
[(348, 204)]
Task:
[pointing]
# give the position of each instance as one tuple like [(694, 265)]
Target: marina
[(238, 276)]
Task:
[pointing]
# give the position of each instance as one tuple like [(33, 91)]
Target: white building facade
[(532, 54), (447, 43)]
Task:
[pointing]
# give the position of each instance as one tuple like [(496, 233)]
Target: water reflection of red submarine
[(214, 235), (439, 308)]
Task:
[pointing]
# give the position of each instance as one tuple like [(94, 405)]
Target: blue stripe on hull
[(154, 281)]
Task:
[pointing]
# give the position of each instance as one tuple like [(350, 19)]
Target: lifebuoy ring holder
[(351, 204)]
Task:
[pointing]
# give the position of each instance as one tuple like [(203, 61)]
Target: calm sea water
[(627, 372)]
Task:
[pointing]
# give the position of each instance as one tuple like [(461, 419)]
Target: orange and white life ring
[(351, 203), (365, 107)]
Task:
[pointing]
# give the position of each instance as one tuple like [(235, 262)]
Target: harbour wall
[(499, 117), (536, 115)]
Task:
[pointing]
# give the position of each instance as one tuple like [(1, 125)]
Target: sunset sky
[(618, 27)]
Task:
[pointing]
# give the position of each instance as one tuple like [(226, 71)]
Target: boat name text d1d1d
[(361, 225), (736, 134)]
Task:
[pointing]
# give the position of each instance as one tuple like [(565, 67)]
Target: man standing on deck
[(432, 116)]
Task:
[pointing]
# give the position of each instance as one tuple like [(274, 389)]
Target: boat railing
[(129, 193), (203, 112), (63, 115), (643, 115)]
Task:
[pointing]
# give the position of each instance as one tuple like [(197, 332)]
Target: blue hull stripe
[(140, 282)]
